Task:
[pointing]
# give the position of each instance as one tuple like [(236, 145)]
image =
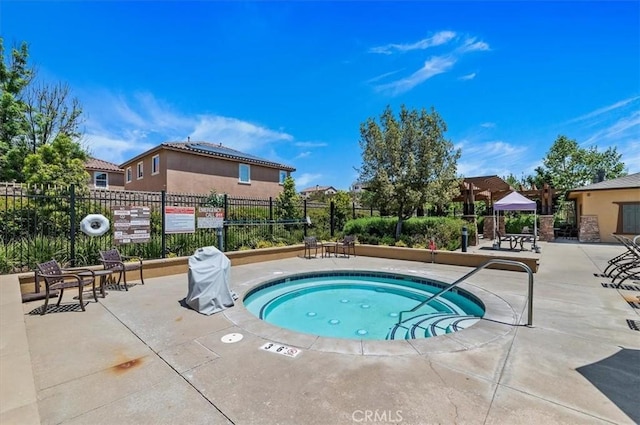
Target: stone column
[(589, 229), (488, 226), (546, 228)]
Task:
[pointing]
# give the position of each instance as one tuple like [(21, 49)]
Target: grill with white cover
[(209, 271)]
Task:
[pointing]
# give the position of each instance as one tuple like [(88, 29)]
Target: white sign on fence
[(180, 219), (131, 224)]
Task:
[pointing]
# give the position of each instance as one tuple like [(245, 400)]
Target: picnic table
[(514, 239)]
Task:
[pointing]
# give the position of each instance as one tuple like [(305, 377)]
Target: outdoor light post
[(465, 237)]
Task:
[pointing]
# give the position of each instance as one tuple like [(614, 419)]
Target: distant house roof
[(631, 181), (100, 165), (214, 150), (318, 189)]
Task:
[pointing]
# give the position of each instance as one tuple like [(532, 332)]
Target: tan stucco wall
[(182, 172), (602, 203), (116, 180)]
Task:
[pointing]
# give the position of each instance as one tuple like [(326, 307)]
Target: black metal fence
[(38, 223)]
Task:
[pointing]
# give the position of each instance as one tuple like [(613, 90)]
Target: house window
[(100, 179), (629, 218), (140, 170), (129, 175), (244, 173), (155, 164), (283, 175)]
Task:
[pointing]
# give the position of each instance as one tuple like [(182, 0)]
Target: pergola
[(492, 188)]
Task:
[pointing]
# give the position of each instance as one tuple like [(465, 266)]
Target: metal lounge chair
[(57, 278), (112, 260)]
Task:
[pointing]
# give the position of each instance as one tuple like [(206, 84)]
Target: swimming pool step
[(428, 325)]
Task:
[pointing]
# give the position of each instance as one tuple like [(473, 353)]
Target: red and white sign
[(180, 219), (210, 218)]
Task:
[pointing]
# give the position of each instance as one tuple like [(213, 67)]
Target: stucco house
[(104, 174), (608, 207), (200, 167), (318, 190)]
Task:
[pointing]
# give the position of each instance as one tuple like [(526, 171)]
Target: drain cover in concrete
[(231, 338)]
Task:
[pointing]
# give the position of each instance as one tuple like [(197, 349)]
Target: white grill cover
[(209, 271)]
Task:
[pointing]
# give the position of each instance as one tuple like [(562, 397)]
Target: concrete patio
[(141, 357)]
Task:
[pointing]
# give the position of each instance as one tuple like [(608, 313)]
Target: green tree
[(51, 111), (407, 162), (15, 75), (568, 166), (288, 201), (30, 116), (343, 208), (59, 163)]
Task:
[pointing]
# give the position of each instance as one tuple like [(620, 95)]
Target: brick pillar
[(502, 225), (589, 229), (488, 226), (546, 228)]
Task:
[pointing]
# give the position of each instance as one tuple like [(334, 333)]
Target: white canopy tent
[(516, 202)]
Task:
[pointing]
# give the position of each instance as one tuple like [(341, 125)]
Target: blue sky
[(292, 81)]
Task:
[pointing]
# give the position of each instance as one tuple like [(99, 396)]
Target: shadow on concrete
[(62, 308), (618, 379)]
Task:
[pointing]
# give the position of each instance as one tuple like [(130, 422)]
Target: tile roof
[(317, 189), (215, 150), (219, 151), (99, 164), (626, 182)]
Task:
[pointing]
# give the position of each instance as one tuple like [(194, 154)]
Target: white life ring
[(94, 225)]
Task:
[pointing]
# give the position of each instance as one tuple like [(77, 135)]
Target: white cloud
[(382, 76), (468, 77), (434, 66), (305, 179), (437, 39), (126, 127), (235, 133), (113, 148), (605, 109), (496, 157), (310, 144), (627, 125), (471, 45), (631, 156), (488, 125), (302, 155)]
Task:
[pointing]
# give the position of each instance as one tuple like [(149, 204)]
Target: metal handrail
[(474, 271)]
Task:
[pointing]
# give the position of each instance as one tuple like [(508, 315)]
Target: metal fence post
[(225, 226), (163, 203), (72, 227), (270, 216), (304, 203), (332, 221)]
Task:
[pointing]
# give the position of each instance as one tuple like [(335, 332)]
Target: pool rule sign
[(132, 224)]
